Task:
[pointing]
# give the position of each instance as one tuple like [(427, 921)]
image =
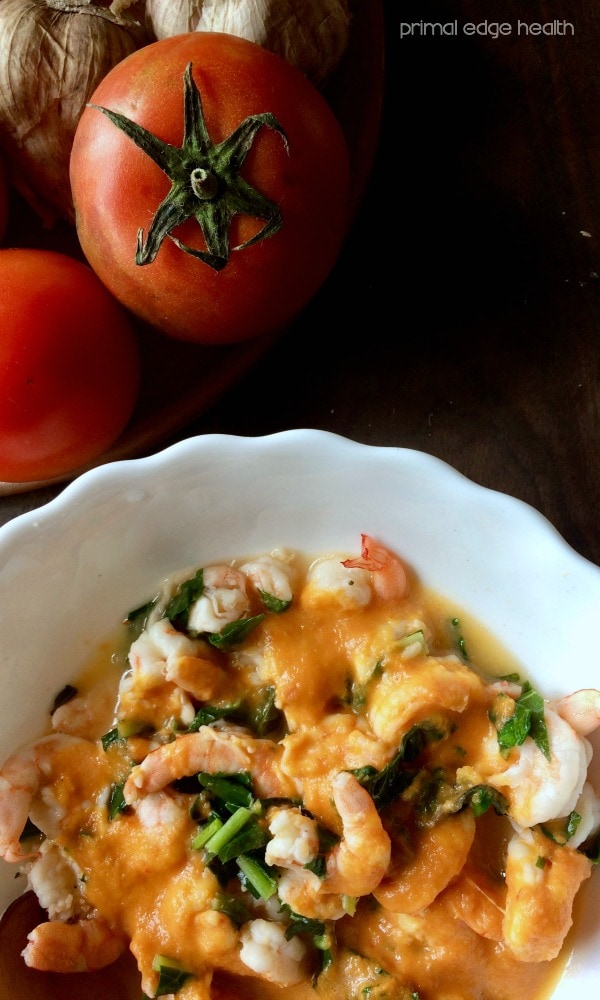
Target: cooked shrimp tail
[(389, 574)]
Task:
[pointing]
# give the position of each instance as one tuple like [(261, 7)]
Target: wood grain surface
[(463, 317)]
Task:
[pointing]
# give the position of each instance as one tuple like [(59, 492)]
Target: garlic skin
[(53, 54), (310, 34)]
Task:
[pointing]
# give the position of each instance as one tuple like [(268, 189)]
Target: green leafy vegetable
[(483, 797), (111, 738), (210, 713), (272, 603), (233, 790), (528, 720), (459, 639), (232, 907), (178, 608), (116, 801), (137, 619), (171, 975), (234, 633), (385, 785), (256, 877), (561, 831)]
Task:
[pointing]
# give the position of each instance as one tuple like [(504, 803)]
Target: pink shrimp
[(20, 780), (581, 710), (357, 864), (56, 946), (214, 751), (389, 574)]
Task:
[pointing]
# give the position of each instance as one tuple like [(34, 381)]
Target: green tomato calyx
[(206, 183)]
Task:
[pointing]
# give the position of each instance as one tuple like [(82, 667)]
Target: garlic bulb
[(310, 34), (53, 53)]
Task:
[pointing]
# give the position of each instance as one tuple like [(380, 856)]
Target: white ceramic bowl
[(70, 570)]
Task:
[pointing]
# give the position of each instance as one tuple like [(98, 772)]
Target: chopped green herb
[(266, 714), (137, 619), (116, 802), (327, 840), (541, 861), (178, 608), (527, 720), (210, 713), (272, 603), (482, 797), (233, 790), (227, 831), (385, 785), (110, 738), (413, 638), (234, 633), (171, 975), (232, 907), (459, 639), (255, 876), (206, 832), (561, 831)]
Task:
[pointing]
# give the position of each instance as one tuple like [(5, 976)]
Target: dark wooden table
[(463, 317)]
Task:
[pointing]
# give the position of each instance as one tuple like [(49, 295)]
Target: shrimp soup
[(290, 778)]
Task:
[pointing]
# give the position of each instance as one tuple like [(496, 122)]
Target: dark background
[(462, 317)]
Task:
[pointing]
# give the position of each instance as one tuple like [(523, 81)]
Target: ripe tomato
[(69, 365), (287, 166)]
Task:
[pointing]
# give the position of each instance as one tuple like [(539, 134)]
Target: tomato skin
[(117, 188), (69, 365)]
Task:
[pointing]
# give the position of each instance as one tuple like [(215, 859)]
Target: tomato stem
[(206, 183)]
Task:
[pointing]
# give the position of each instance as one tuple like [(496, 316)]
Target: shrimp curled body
[(214, 751), (357, 864)]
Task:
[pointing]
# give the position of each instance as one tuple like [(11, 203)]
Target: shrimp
[(270, 576), (410, 691), (215, 751), (389, 574), (266, 952), (330, 581), (479, 901), (540, 789), (412, 882), (294, 840), (56, 880), (303, 892), (56, 946), (357, 864), (20, 779), (542, 879), (223, 600), (581, 710)]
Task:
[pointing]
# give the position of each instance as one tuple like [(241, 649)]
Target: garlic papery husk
[(53, 54), (310, 34)]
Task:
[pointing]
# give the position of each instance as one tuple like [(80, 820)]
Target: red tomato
[(118, 188), (69, 365)]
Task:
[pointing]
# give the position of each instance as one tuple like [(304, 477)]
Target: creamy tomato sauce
[(290, 778)]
